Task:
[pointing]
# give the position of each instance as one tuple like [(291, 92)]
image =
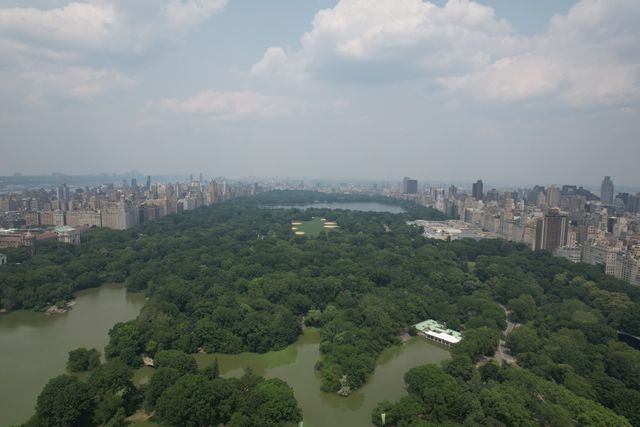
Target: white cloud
[(587, 56), (115, 26), (224, 106), (76, 23), (510, 79), (403, 37), (275, 61), (362, 30), (63, 82), (184, 14), (55, 51)]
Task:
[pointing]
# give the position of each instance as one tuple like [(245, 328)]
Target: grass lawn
[(312, 228)]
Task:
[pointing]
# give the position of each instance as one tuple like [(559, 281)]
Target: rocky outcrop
[(345, 390)]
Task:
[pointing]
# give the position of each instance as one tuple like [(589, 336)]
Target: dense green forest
[(569, 359), (232, 278), (178, 394)]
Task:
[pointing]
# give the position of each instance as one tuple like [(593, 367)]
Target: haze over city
[(321, 213), (537, 91)]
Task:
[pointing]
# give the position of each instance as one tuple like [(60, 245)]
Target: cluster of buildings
[(452, 230), (569, 221), (64, 213), (16, 238)]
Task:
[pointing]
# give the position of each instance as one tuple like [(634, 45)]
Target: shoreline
[(54, 309)]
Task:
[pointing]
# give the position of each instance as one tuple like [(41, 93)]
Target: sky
[(533, 91)]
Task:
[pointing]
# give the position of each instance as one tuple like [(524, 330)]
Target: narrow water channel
[(34, 346)]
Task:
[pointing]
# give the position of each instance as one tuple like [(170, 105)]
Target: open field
[(312, 228)]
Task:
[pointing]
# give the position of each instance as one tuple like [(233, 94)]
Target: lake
[(34, 346), (295, 365), (350, 206)]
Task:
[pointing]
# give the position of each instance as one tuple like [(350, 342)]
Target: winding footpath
[(502, 353)]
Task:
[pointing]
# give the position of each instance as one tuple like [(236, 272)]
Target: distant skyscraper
[(453, 192), (606, 191), (409, 186), (148, 182), (634, 203), (553, 196), (555, 230), (492, 195), (477, 190), (201, 180), (63, 192)]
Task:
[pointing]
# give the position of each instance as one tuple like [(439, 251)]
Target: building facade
[(607, 190), (477, 191), (409, 186), (555, 228)]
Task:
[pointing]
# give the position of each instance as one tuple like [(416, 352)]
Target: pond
[(34, 346), (295, 365)]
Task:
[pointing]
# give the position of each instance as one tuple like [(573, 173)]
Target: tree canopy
[(233, 277), (81, 360)]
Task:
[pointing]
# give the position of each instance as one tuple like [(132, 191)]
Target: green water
[(295, 365), (34, 346)]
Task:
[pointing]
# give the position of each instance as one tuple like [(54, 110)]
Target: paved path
[(502, 352)]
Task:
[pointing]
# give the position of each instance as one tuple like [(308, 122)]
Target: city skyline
[(568, 221), (387, 212), (117, 177), (544, 89)]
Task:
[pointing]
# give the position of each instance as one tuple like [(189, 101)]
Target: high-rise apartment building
[(600, 253), (477, 190), (453, 192), (555, 230), (91, 218), (634, 203), (59, 218), (409, 186), (553, 196), (120, 216), (606, 191), (628, 268)]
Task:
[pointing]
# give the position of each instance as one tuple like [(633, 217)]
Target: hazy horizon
[(544, 91), (177, 177)]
